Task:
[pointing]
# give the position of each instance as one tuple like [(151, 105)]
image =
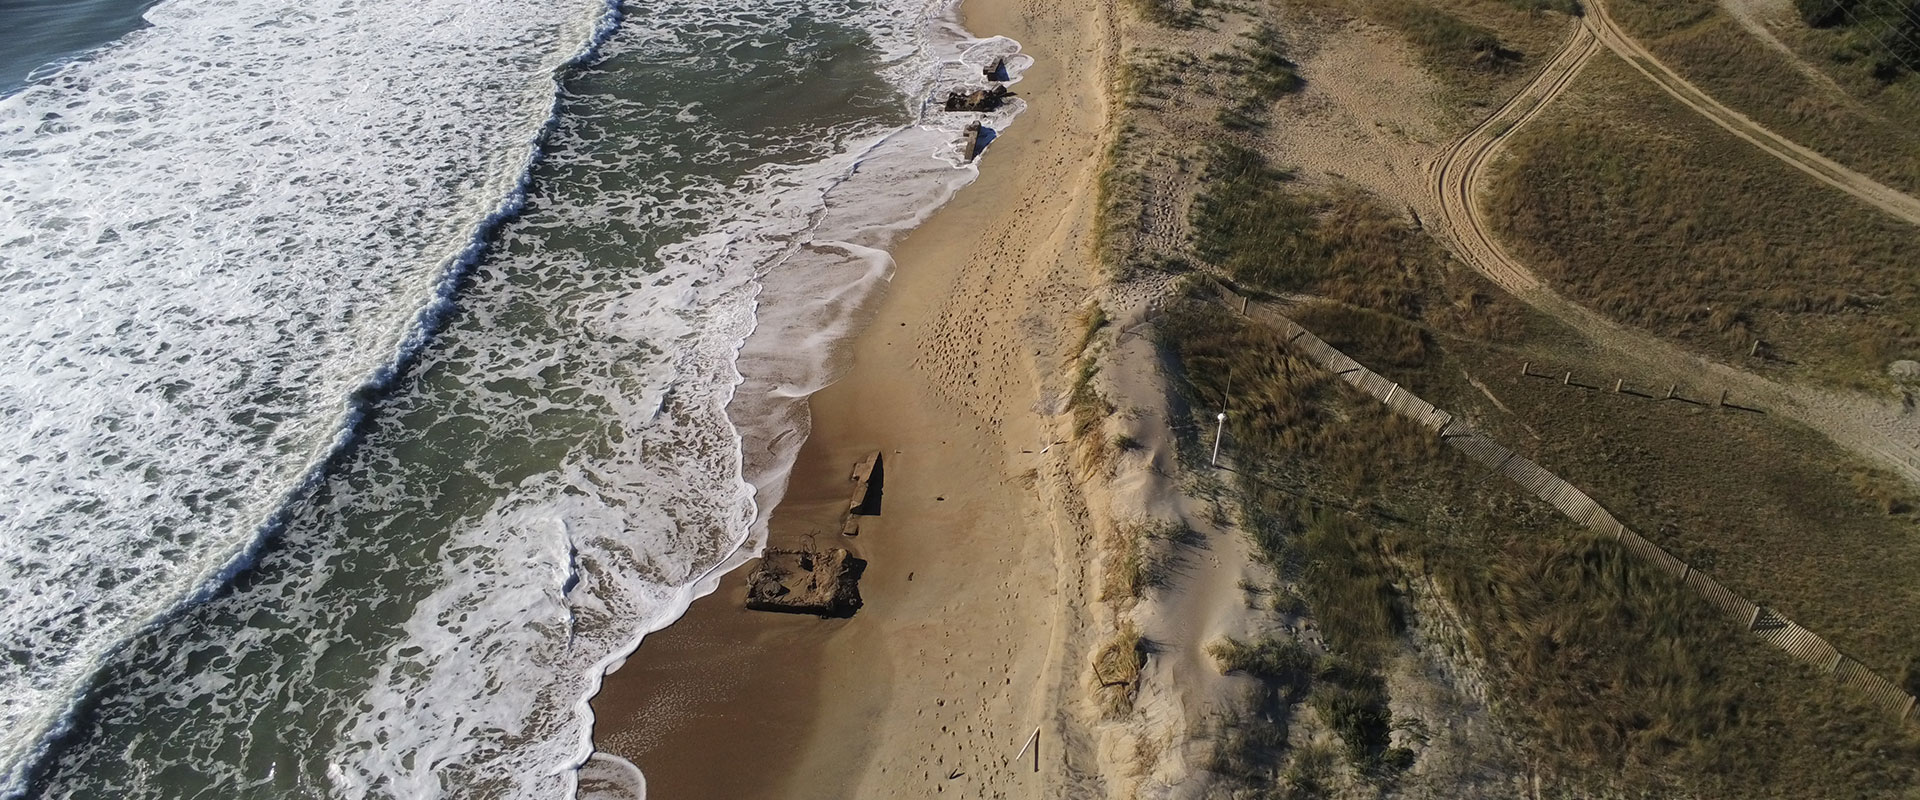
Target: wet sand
[(932, 688)]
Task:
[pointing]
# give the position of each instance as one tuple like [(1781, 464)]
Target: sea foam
[(594, 436), (211, 233)]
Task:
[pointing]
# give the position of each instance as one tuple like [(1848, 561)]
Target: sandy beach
[(969, 637)]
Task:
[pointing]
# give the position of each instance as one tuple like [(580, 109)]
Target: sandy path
[(1821, 168), (1878, 431)]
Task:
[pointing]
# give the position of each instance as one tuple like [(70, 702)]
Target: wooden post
[(1567, 381), (1755, 619), (1687, 569), (1723, 399), (1754, 350), (1670, 388), (1617, 383), (1621, 532), (1033, 743), (1838, 659), (1526, 369), (1390, 391), (1243, 305)]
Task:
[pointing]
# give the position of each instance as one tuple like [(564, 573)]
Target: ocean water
[(378, 373)]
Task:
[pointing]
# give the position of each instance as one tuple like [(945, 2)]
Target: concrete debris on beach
[(974, 141), (806, 582), (867, 478), (811, 581), (984, 100)]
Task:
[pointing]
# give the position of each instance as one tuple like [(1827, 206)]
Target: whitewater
[(380, 373)]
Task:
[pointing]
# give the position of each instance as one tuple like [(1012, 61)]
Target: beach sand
[(972, 634)]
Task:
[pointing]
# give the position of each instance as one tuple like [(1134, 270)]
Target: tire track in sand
[(1867, 427), (1823, 169)]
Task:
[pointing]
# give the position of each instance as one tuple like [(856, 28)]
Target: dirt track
[(1865, 426), (1820, 167)]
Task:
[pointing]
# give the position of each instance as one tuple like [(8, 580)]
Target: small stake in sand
[(1226, 399), (1217, 432), (1032, 742)]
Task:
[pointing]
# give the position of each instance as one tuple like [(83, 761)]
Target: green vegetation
[(1634, 206), (1093, 318), (1261, 74), (1872, 126), (1447, 40), (1477, 48), (1607, 678), (1170, 13), (1090, 408), (1613, 668), (1655, 17), (1126, 576), (1347, 586), (1271, 238), (1282, 663), (1569, 7), (1881, 35), (1351, 699)]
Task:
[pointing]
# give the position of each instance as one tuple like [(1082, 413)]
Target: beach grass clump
[(1259, 74), (1249, 744), (1170, 13), (1311, 772), (1089, 410), (1351, 699), (1127, 571), (1348, 585), (1445, 39), (1092, 319), (1246, 223), (1281, 662), (1664, 686), (1570, 7), (1116, 670)]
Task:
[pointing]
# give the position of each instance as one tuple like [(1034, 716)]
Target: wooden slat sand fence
[(1802, 644)]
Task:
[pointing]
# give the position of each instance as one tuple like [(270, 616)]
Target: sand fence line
[(1769, 625)]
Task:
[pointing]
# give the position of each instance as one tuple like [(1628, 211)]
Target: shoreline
[(946, 382)]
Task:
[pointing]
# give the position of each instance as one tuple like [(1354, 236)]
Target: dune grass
[(1613, 682), (1874, 127), (1632, 205), (1479, 49), (1612, 667), (1271, 237), (1116, 670)]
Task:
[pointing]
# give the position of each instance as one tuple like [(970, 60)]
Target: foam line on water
[(644, 370), (26, 754)]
